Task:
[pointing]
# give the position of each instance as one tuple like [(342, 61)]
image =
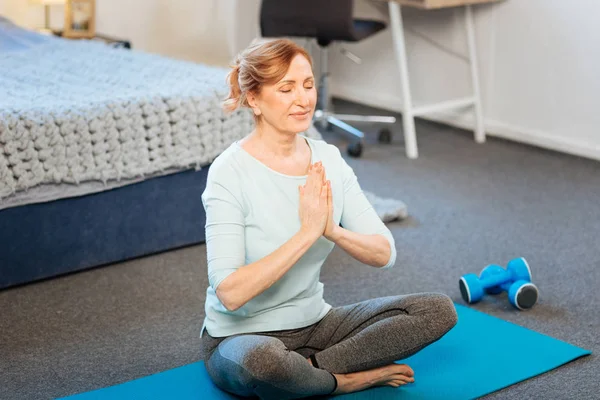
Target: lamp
[(47, 5)]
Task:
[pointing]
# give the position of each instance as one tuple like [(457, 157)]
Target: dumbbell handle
[(496, 279)]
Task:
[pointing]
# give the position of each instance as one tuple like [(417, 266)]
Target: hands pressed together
[(316, 203)]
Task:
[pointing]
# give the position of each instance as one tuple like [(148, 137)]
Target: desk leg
[(478, 113), (410, 137)]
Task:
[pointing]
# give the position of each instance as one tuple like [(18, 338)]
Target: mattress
[(49, 192)]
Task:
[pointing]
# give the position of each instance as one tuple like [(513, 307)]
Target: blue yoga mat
[(480, 355)]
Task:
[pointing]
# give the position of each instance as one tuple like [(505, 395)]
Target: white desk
[(409, 111)]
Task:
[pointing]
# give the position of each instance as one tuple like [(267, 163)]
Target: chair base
[(326, 120)]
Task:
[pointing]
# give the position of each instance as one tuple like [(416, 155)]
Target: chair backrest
[(326, 20)]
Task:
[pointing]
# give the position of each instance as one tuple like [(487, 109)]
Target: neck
[(275, 142)]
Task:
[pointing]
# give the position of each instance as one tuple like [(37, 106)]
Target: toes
[(404, 379), (406, 370)]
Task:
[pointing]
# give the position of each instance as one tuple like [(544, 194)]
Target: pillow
[(14, 37)]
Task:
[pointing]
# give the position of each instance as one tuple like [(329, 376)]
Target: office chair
[(326, 21)]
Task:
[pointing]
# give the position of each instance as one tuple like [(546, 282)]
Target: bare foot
[(389, 375)]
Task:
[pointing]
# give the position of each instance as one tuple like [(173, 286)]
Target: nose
[(302, 97)]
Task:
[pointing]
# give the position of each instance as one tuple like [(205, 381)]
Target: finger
[(322, 170), (324, 191), (318, 165), (308, 186), (317, 178), (316, 181)]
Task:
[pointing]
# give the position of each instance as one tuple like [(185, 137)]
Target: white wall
[(185, 29), (539, 63)]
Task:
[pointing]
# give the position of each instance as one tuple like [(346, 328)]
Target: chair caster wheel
[(355, 149), (385, 136)]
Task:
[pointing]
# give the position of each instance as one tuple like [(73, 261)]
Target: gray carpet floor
[(470, 205)]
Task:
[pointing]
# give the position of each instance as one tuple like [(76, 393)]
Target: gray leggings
[(351, 338)]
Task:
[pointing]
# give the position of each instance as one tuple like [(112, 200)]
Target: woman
[(274, 203)]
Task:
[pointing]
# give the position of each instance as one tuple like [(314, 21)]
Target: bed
[(104, 152)]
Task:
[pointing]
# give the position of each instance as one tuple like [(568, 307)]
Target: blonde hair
[(262, 62)]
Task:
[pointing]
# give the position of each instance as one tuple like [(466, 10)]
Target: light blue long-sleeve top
[(251, 211)]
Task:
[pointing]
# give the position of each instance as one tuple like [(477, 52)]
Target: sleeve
[(358, 215), (225, 237)]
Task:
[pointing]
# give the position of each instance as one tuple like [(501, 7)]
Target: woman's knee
[(442, 313), (267, 360), (228, 375), (242, 363)]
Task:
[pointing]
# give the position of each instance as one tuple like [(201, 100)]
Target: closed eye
[(308, 82)]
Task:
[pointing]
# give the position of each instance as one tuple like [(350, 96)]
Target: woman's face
[(289, 104)]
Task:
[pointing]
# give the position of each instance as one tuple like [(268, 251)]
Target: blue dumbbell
[(516, 280), (522, 294)]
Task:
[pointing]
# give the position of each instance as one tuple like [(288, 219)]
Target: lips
[(300, 114)]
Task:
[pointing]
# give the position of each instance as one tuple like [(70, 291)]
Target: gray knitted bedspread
[(79, 111)]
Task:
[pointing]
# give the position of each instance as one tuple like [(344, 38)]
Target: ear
[(253, 103)]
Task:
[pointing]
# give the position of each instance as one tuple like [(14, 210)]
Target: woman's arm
[(363, 234), (373, 250), (251, 280)]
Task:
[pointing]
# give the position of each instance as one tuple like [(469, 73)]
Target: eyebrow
[(293, 81)]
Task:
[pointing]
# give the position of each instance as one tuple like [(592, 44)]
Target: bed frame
[(45, 240)]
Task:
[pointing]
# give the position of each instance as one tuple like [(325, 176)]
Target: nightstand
[(111, 41)]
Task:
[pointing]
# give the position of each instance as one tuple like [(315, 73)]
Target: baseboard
[(523, 135), (465, 121)]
